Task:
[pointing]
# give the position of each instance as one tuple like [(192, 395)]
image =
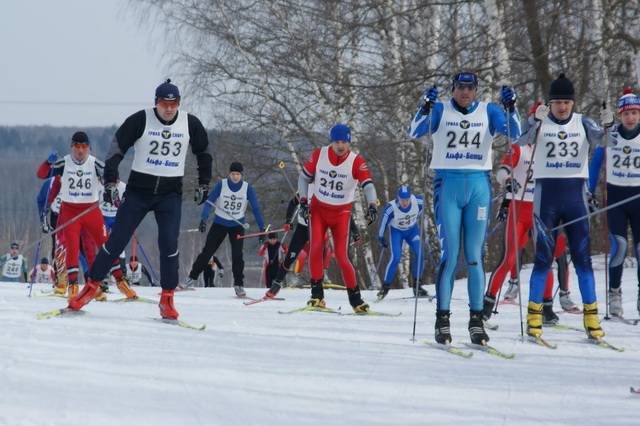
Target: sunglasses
[(82, 145), (167, 104)]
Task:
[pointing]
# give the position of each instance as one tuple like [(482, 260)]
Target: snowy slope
[(253, 366)]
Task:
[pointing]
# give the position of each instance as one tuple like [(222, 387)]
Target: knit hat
[(628, 101), (465, 79), (236, 166), (79, 137), (167, 91), (561, 88), (14, 245), (44, 261), (271, 235), (340, 132), (404, 192)]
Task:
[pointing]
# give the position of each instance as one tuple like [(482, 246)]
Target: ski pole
[(37, 252), (265, 232), (153, 272), (293, 190), (378, 265), (596, 212)]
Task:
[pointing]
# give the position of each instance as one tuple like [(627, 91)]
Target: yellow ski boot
[(592, 322), (317, 295), (355, 299), (534, 319), (101, 294), (61, 288), (316, 303), (73, 290), (123, 286)]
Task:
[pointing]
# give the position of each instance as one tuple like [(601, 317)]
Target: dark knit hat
[(167, 91), (80, 137), (271, 235), (236, 166), (44, 261), (561, 88)]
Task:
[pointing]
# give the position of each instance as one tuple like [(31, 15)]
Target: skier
[(213, 272), (515, 178), (77, 180), (463, 130), (299, 244), (109, 212), (43, 273), (230, 197), (623, 181), (560, 172), (402, 216), (273, 252), (335, 171), (160, 136), (135, 270), (49, 214), (13, 265)]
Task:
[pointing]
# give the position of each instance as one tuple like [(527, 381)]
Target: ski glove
[(203, 226), (508, 98), (201, 194), (372, 215), (429, 97), (304, 208), (46, 224), (52, 158), (512, 186), (383, 242), (593, 202), (606, 117), (262, 238), (111, 194), (541, 112), (356, 237), (503, 211)]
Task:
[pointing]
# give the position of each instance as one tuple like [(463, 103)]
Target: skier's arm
[(55, 189), (595, 133), (47, 170), (420, 200), (211, 201), (387, 215), (291, 209), (255, 206), (199, 142), (126, 135), (307, 174), (509, 161), (498, 123), (146, 274), (42, 196), (360, 172), (530, 133), (420, 124), (594, 167)]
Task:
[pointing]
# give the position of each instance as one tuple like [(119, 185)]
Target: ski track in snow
[(253, 366)]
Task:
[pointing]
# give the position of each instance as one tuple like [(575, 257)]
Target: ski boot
[(317, 295), (418, 291), (72, 290), (167, 310), (566, 303), (276, 285), (443, 329), (548, 316), (591, 321), (101, 294), (476, 328), (189, 282), (512, 292), (87, 293), (123, 286), (355, 299), (534, 319), (487, 309), (384, 290), (239, 289), (615, 302), (61, 288)]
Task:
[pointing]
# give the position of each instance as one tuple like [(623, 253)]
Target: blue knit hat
[(44, 261), (340, 132), (167, 91), (628, 101), (404, 192)]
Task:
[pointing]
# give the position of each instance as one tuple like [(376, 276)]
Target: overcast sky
[(76, 62)]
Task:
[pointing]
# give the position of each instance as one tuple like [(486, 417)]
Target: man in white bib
[(13, 265), (43, 273)]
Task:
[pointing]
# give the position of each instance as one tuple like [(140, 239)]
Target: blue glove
[(429, 97), (508, 98), (383, 242), (52, 158)]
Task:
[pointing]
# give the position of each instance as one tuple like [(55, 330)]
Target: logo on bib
[(464, 124), (562, 135), (79, 173), (333, 174), (166, 134), (233, 197), (626, 149)]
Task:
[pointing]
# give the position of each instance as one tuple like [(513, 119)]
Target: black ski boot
[(476, 328), (317, 294), (548, 316), (355, 299), (384, 290), (417, 289), (443, 329), (487, 309), (275, 288)]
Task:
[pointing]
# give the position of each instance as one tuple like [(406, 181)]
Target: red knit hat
[(628, 101)]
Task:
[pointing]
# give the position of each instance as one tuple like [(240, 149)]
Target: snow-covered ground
[(253, 366)]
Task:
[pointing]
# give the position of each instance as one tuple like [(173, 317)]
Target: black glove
[(356, 237), (262, 239), (512, 186), (44, 219), (593, 202), (503, 212), (111, 194), (304, 208), (201, 194), (372, 215), (383, 242), (203, 226)]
